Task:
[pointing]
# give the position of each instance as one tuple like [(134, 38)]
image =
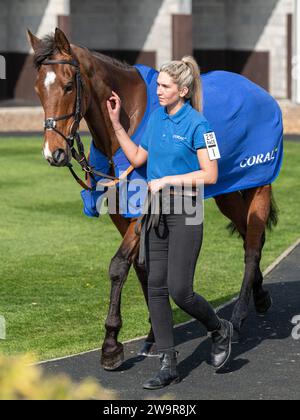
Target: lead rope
[(151, 216)]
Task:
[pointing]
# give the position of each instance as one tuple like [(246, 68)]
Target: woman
[(174, 147)]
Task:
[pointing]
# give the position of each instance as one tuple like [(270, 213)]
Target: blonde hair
[(186, 73)]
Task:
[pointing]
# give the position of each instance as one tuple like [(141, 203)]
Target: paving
[(265, 362)]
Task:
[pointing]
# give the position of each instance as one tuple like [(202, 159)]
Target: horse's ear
[(34, 41), (62, 42)]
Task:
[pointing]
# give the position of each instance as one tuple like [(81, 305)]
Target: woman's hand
[(114, 108), (157, 184)]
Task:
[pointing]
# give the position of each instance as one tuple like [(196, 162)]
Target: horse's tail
[(272, 220), (274, 214)]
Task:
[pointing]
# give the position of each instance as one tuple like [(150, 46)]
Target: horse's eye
[(68, 88)]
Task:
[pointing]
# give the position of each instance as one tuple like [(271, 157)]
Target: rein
[(74, 136)]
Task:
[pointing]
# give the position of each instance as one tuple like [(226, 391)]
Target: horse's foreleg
[(112, 351), (259, 201), (148, 349)]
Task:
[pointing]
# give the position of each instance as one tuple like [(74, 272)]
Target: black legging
[(172, 251)]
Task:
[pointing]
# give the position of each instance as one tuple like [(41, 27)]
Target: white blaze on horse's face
[(50, 79), (47, 152)]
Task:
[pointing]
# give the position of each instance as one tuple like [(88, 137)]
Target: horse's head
[(58, 86)]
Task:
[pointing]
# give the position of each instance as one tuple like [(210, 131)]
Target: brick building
[(257, 38)]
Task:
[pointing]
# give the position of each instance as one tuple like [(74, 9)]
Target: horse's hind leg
[(237, 208), (262, 298), (112, 351), (234, 207), (259, 200)]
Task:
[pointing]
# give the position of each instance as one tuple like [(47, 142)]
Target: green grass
[(54, 284)]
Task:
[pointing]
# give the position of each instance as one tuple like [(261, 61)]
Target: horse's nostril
[(59, 155)]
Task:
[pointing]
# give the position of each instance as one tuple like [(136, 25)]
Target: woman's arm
[(136, 155), (208, 175)]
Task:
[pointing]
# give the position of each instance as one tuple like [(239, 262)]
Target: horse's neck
[(130, 87)]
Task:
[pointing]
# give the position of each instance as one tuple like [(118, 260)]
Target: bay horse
[(59, 65)]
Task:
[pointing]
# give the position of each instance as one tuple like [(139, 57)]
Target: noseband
[(50, 125)]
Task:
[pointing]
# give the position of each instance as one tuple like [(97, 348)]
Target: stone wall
[(247, 25)]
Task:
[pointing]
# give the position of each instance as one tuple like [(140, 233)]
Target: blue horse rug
[(248, 125)]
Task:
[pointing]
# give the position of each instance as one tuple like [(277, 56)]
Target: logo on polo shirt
[(259, 159), (175, 136)]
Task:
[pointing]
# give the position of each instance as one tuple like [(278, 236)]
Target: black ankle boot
[(221, 344), (167, 374)]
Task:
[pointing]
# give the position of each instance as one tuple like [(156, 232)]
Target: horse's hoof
[(263, 304), (148, 350), (239, 316), (112, 361)]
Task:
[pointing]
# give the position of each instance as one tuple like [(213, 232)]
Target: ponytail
[(195, 94)]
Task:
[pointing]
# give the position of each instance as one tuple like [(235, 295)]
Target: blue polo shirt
[(172, 141)]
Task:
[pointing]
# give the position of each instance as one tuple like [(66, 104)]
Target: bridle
[(50, 125)]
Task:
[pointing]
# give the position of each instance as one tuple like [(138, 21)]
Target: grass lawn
[(54, 284)]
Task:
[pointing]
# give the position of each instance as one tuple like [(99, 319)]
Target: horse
[(68, 74)]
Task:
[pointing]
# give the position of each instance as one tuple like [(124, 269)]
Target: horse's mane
[(48, 48), (114, 61)]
